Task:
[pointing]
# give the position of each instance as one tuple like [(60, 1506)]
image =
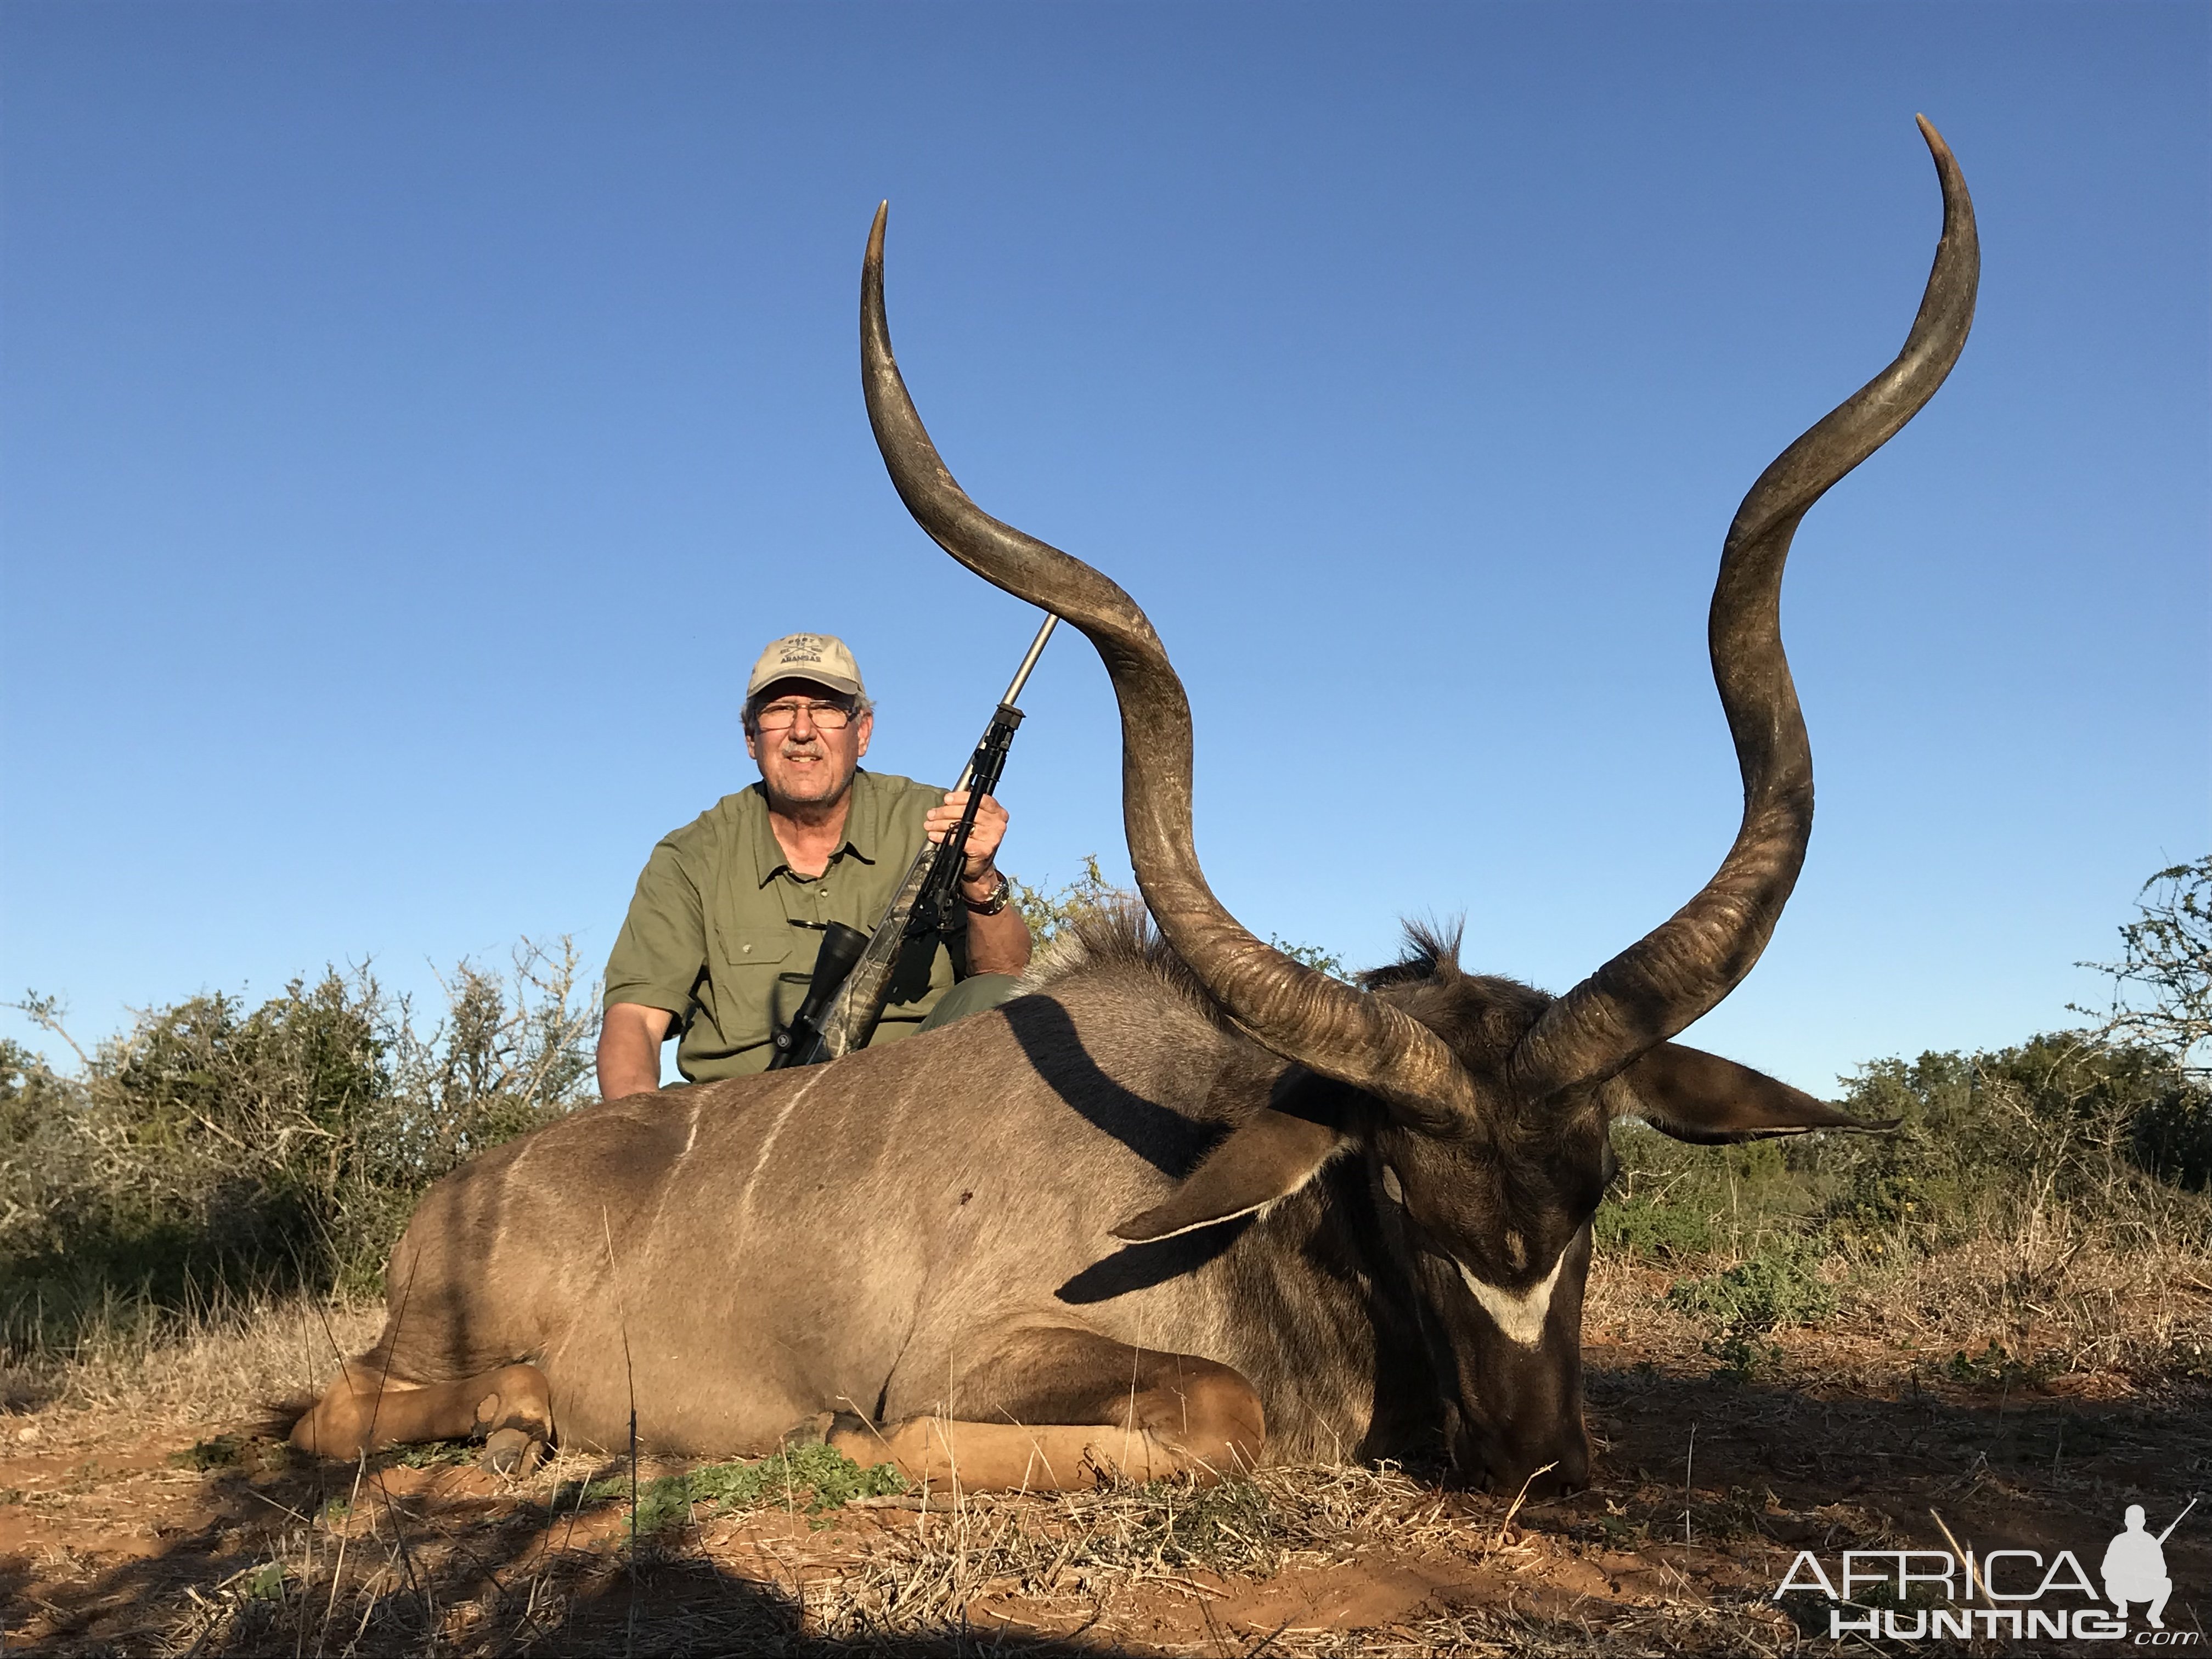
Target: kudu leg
[(1056, 1409), (365, 1411)]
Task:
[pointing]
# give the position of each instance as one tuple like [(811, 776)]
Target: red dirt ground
[(114, 1542)]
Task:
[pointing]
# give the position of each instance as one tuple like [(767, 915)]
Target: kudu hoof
[(512, 1454)]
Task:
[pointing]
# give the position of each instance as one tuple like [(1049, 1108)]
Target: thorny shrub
[(214, 1151)]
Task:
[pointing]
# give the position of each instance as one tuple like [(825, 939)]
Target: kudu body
[(1185, 1205)]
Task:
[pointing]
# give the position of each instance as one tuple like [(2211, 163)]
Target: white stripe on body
[(767, 1141)]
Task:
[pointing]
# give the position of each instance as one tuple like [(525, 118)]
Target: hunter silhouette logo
[(2006, 1593), (2135, 1566)]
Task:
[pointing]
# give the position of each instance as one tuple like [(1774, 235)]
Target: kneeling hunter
[(720, 943)]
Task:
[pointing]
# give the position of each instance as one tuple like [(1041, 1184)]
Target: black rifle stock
[(849, 1007)]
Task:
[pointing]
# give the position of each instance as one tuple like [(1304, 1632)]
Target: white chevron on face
[(1519, 1313)]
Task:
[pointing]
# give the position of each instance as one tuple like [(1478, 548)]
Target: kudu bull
[(1186, 1205)]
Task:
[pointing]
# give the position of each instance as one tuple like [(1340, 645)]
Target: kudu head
[(1481, 1107)]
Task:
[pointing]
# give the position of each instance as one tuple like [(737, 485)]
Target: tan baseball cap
[(821, 658)]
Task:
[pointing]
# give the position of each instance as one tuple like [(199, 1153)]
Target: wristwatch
[(1001, 896)]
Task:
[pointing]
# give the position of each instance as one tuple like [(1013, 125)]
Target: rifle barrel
[(1021, 678), (2176, 1522)]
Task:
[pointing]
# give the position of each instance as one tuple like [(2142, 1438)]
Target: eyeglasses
[(779, 717)]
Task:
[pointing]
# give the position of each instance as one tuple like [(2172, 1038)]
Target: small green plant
[(1741, 1357), (435, 1454), (1220, 1526), (1782, 1285), (233, 1451), (223, 1452), (1997, 1366), (812, 1479), (1622, 1531), (1741, 1305)]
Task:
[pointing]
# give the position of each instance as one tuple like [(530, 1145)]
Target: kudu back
[(1186, 1205)]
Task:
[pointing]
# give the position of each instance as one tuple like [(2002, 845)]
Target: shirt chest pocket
[(770, 948), (765, 971)]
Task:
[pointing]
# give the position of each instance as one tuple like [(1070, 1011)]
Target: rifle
[(853, 971), (2176, 1522)]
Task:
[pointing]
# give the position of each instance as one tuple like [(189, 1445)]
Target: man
[(719, 943), (2135, 1569)]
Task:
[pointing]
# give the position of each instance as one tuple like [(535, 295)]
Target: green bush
[(2173, 1137), (1672, 1203), (2114, 1134), (1740, 1305), (216, 1150), (2064, 1121), (1660, 1230), (1050, 913)]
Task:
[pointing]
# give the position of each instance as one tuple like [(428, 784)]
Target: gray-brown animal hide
[(865, 1235), (1371, 1204)]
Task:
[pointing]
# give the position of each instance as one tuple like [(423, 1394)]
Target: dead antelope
[(1186, 1205)]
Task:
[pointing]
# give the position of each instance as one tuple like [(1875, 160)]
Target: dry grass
[(2056, 1293), (1077, 1549), (1094, 1573), (2065, 1301), (2022, 1375), (134, 1370), (410, 1555)]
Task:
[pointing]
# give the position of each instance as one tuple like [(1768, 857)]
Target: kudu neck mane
[(1479, 1017)]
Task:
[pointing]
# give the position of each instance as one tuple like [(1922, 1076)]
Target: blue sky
[(414, 418)]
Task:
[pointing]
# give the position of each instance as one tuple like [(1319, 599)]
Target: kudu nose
[(1551, 1477), (1540, 1468)]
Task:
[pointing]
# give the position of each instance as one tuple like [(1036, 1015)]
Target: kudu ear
[(1700, 1097), (1268, 1156)]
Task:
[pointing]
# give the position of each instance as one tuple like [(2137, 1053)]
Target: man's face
[(806, 764)]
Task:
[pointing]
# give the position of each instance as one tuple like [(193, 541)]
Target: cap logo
[(819, 657)]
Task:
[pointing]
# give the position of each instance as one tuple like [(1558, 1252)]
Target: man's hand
[(630, 1037), (1000, 944), (983, 836)]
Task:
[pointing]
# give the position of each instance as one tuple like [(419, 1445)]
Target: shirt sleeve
[(662, 949)]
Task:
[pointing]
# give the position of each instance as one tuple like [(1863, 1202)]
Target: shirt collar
[(863, 829)]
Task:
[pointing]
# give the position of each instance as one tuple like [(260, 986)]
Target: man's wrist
[(996, 899)]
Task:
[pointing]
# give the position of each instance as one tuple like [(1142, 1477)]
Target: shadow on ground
[(1677, 1545)]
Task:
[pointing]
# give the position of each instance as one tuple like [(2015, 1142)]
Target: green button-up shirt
[(723, 935)]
